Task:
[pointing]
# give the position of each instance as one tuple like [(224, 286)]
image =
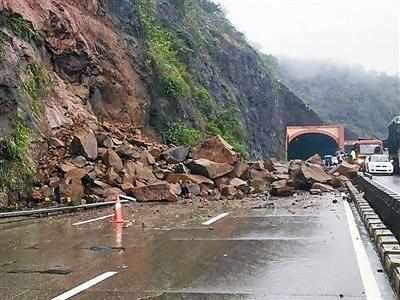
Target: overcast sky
[(364, 32)]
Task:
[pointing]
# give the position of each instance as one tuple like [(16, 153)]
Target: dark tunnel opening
[(306, 145)]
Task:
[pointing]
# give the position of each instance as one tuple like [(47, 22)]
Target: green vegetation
[(20, 27), (270, 63), (227, 125), (35, 84), (180, 134), (162, 51), (16, 168), (169, 51), (205, 103)]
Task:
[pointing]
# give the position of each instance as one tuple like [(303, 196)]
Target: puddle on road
[(106, 249), (48, 271)]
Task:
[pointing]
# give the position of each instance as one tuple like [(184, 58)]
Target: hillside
[(365, 102), (174, 70)]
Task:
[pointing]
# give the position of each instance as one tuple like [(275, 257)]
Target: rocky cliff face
[(151, 64)]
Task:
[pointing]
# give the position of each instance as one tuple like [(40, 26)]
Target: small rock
[(181, 169), (56, 143), (228, 190), (126, 187), (79, 161), (111, 159), (191, 189), (257, 165), (104, 140), (128, 151)]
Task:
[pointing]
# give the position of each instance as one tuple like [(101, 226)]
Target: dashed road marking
[(92, 220), (370, 285), (84, 286), (215, 219)]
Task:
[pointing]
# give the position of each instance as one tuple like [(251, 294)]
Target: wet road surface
[(296, 249), (391, 182)]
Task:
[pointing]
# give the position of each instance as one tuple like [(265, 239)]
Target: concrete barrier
[(385, 203), (378, 206)]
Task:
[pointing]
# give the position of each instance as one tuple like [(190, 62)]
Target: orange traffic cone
[(118, 217)]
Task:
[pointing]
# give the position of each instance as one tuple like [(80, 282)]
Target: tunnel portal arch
[(305, 145), (305, 141)]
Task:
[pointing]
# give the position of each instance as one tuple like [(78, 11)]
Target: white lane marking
[(215, 219), (92, 220), (370, 285), (84, 286)]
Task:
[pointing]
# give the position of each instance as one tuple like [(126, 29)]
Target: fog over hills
[(364, 101)]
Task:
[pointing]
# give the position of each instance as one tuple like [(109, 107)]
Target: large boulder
[(112, 159), (238, 183), (314, 173), (128, 151), (175, 155), (315, 159), (273, 165), (322, 187), (104, 140), (216, 149), (269, 164), (155, 192), (282, 189), (240, 169), (296, 175), (257, 165), (183, 178), (259, 175), (347, 169), (304, 175), (228, 190), (72, 185), (140, 172), (84, 143), (147, 159), (191, 189), (209, 169)]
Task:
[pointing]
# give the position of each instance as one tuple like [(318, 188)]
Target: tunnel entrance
[(306, 145)]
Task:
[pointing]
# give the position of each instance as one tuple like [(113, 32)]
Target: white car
[(379, 164)]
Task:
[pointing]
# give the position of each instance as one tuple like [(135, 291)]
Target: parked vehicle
[(379, 164), (365, 148), (330, 160)]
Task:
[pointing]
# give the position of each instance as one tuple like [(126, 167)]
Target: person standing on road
[(353, 155)]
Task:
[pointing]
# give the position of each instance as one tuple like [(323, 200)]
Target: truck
[(365, 148), (393, 143)]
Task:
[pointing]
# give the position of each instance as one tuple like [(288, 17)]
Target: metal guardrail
[(27, 213)]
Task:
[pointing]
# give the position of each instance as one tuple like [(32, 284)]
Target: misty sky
[(364, 32)]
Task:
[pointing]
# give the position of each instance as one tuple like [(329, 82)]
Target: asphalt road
[(296, 249), (392, 182)]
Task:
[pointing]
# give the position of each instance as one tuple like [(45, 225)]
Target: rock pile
[(94, 165)]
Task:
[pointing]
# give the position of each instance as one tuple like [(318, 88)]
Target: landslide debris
[(67, 176), (89, 90)]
